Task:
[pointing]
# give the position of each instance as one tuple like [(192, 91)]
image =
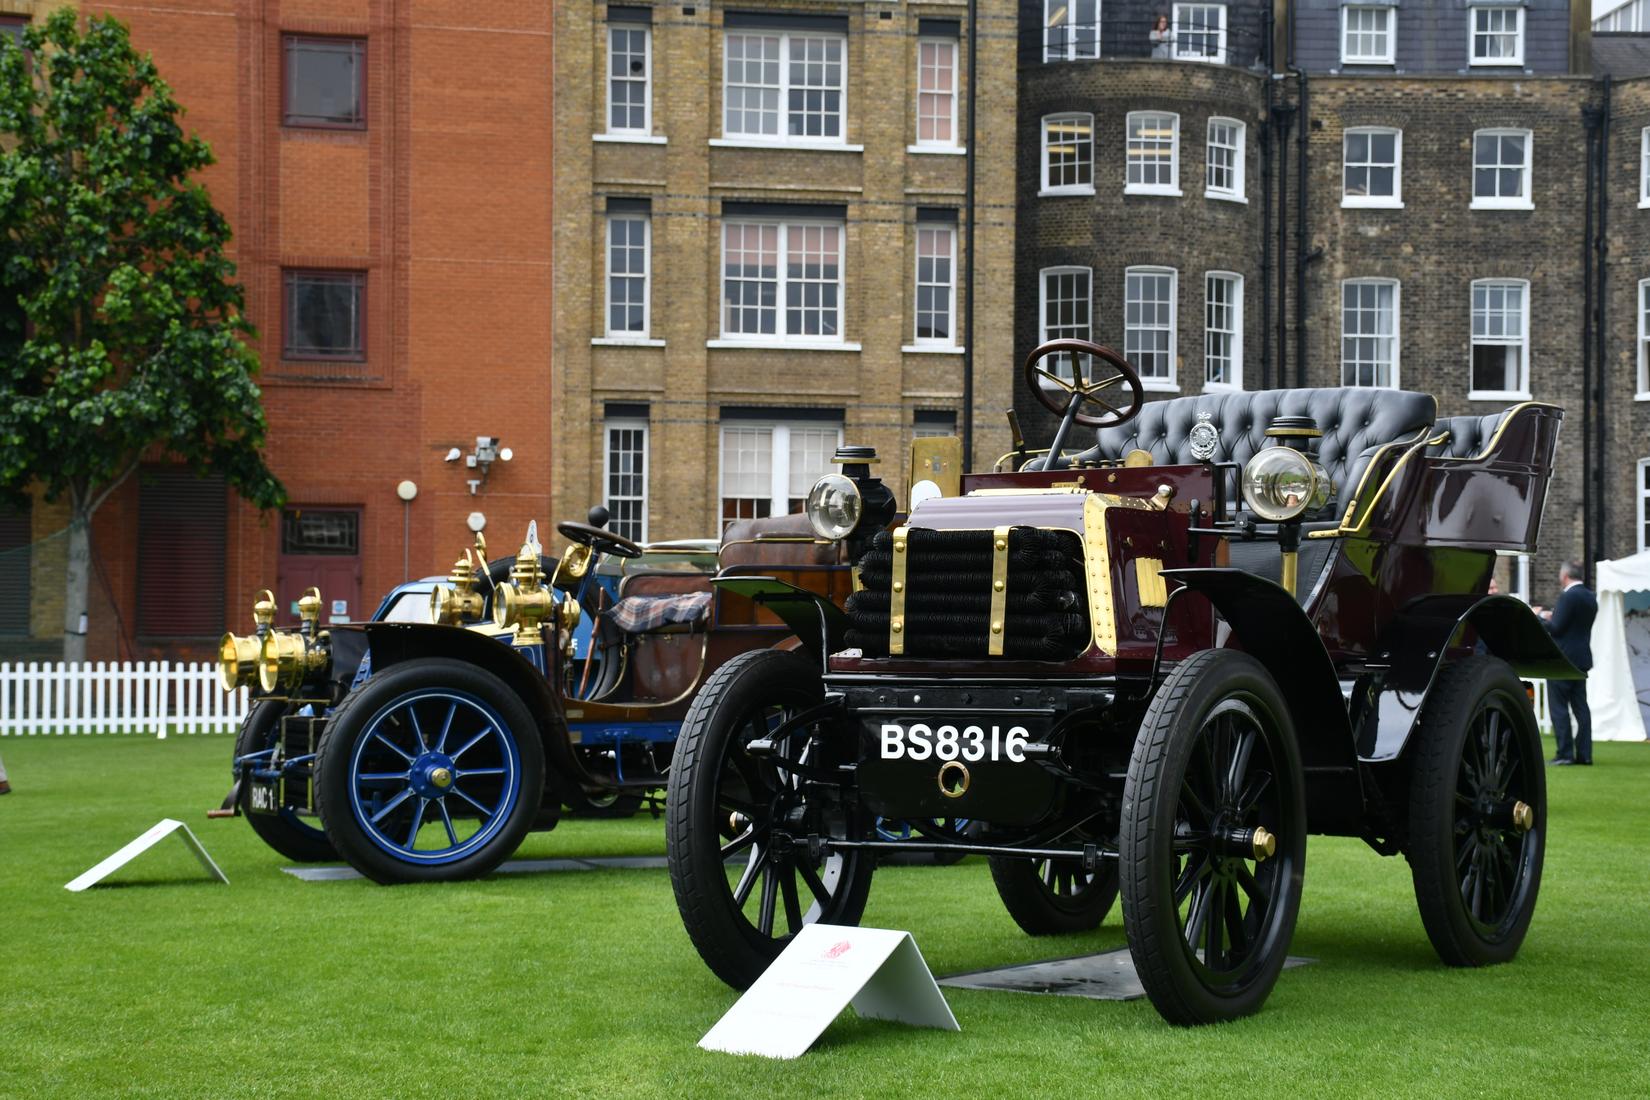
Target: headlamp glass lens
[(834, 507), (1280, 484)]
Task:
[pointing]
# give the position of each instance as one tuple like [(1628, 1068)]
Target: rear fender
[(1269, 625), (1415, 647), (396, 643)]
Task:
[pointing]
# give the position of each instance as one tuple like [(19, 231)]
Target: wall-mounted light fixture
[(481, 459)]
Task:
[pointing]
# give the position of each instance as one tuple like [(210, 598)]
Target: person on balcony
[(1162, 37)]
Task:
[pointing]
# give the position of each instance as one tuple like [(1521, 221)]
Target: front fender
[(1270, 625), (819, 624)]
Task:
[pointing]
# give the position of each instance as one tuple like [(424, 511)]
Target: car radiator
[(948, 595)]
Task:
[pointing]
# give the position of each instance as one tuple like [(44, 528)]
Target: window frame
[(1154, 383), (1397, 330), (1395, 201), (1047, 188), (1043, 337), (950, 44), (1642, 471), (1643, 311), (779, 335), (359, 44), (779, 459), (1391, 35), (1527, 199), (1240, 151), (1644, 169), (608, 330), (359, 280), (1473, 60), (1522, 393), (1170, 189), (1182, 36), (1236, 281), (608, 79), (625, 423), (917, 339), (1069, 51), (784, 137)]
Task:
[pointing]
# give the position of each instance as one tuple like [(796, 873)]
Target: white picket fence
[(147, 697)]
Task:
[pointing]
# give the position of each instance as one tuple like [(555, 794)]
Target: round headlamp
[(1281, 484), (835, 507)]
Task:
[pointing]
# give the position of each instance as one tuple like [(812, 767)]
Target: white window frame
[(1390, 57), (647, 279), (1184, 34), (1156, 384), (779, 337), (1522, 391), (1641, 471), (1068, 50), (779, 460), (1048, 188), (1644, 340), (950, 45), (608, 80), (1394, 201), (1397, 330), (784, 137), (1472, 36), (625, 423), (917, 339), (1061, 363), (1172, 188), (1240, 153), (1236, 370), (1526, 201), (1644, 169)]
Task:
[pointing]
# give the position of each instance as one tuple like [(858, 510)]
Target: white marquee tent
[(1618, 688)]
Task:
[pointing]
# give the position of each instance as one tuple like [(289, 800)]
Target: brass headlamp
[(287, 660), (523, 601), (238, 653), (457, 601)]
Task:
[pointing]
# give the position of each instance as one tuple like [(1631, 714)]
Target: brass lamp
[(523, 601), (287, 659), (457, 601), (238, 653)]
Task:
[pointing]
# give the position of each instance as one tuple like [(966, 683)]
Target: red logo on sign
[(838, 949)]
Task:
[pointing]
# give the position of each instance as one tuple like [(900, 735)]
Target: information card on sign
[(823, 970)]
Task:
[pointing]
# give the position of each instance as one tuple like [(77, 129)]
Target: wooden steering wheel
[(1110, 369), (598, 539)]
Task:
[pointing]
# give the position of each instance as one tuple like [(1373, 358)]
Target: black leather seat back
[(1468, 435), (1355, 421)]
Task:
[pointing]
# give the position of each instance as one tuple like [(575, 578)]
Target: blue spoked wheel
[(431, 770)]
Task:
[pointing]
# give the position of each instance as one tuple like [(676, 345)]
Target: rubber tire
[(1150, 794), (332, 761), (734, 951), (1435, 755), (297, 843), (1041, 912)]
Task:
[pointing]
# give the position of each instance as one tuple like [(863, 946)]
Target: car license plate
[(263, 798), (946, 739)]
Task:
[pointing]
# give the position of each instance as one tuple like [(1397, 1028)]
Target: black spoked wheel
[(299, 839), (1048, 897), (1213, 840), (744, 887), (1478, 809)]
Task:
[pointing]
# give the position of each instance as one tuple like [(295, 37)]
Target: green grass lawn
[(584, 984)]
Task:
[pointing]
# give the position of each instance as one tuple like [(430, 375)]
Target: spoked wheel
[(1213, 840), (429, 771), (743, 887), (297, 838), (1049, 897), (613, 804), (1478, 813)]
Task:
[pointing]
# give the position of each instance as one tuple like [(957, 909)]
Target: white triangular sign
[(166, 827), (822, 970)]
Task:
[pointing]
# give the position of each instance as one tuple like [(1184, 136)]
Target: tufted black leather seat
[(1355, 421), (1468, 435)]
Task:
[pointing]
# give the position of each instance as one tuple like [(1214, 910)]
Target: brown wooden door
[(320, 547)]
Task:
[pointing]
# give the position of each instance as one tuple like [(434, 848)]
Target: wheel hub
[(433, 775)]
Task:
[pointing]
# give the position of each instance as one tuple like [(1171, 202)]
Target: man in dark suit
[(1570, 622)]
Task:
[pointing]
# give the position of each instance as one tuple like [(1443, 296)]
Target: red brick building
[(386, 169)]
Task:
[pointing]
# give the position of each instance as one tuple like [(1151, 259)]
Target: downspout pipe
[(968, 260), (1601, 399), (1266, 214), (1303, 254), (1592, 116), (1283, 114)]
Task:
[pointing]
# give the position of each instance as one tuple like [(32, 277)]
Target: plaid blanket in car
[(635, 614)]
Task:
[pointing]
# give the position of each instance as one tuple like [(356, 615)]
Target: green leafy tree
[(121, 333)]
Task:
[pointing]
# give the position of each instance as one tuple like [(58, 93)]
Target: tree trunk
[(77, 574)]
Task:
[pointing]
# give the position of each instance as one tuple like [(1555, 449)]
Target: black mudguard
[(1270, 625), (1415, 647), (818, 623)]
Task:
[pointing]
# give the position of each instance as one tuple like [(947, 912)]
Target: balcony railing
[(1206, 34)]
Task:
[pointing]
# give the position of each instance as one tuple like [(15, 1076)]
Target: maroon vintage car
[(1150, 668)]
